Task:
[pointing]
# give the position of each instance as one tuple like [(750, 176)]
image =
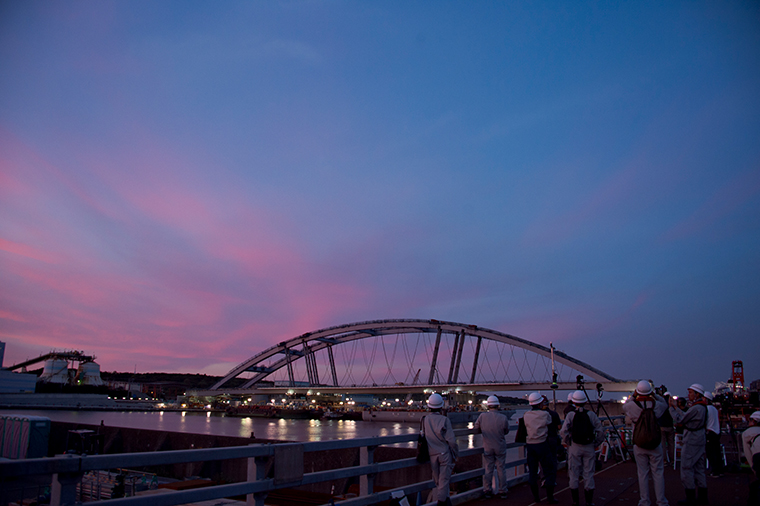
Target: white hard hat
[(570, 397), (644, 387), (709, 395), (535, 399), (667, 394), (755, 416), (493, 401), (579, 397), (698, 388), (435, 401)]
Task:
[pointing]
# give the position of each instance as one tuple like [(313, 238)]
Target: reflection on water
[(222, 425), (262, 428)]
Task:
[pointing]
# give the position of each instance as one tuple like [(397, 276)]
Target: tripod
[(600, 407)]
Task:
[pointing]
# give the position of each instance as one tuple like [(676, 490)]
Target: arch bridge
[(409, 356)]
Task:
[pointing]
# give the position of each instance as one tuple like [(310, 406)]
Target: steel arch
[(312, 342)]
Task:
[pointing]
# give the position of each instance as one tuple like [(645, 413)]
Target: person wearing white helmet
[(644, 407), (751, 446), (712, 437), (694, 421), (537, 422), (581, 432), (494, 426), (444, 451)]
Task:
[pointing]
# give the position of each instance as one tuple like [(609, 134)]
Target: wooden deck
[(616, 484)]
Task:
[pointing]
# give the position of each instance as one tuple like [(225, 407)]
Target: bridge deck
[(616, 484)]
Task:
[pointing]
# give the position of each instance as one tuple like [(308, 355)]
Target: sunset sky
[(184, 184)]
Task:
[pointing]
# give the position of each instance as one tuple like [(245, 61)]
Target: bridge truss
[(409, 356)]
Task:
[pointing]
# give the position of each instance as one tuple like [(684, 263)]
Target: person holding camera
[(693, 458), (644, 407), (582, 432)]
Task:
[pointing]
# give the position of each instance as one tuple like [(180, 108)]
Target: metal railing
[(66, 471)]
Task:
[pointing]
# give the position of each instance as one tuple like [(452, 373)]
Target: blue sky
[(184, 184)]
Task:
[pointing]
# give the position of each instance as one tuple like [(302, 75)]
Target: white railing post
[(63, 490), (366, 481), (257, 470)]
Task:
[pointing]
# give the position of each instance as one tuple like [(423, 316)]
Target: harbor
[(190, 468), (213, 441)]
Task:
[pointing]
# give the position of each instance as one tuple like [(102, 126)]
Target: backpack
[(582, 430), (646, 433)]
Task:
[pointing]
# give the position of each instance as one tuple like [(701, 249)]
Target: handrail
[(67, 470)]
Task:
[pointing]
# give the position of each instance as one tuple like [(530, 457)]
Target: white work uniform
[(494, 426), (581, 457), (443, 451), (693, 458), (649, 463)]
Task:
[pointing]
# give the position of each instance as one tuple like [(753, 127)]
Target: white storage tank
[(89, 374), (55, 371)]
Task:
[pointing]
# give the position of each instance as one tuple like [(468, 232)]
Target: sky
[(185, 184)]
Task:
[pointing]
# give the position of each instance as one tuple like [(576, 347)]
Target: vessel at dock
[(275, 412), (338, 414), (415, 415)]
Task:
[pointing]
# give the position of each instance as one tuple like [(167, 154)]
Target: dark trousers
[(541, 453), (754, 487), (714, 456)]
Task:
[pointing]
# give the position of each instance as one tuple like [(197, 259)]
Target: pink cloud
[(9, 315), (27, 251), (155, 311)]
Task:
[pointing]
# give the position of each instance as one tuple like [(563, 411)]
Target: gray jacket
[(567, 428), (494, 426), (537, 425), (634, 411), (440, 435), (694, 421)]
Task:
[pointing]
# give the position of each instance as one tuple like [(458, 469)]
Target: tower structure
[(737, 376)]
